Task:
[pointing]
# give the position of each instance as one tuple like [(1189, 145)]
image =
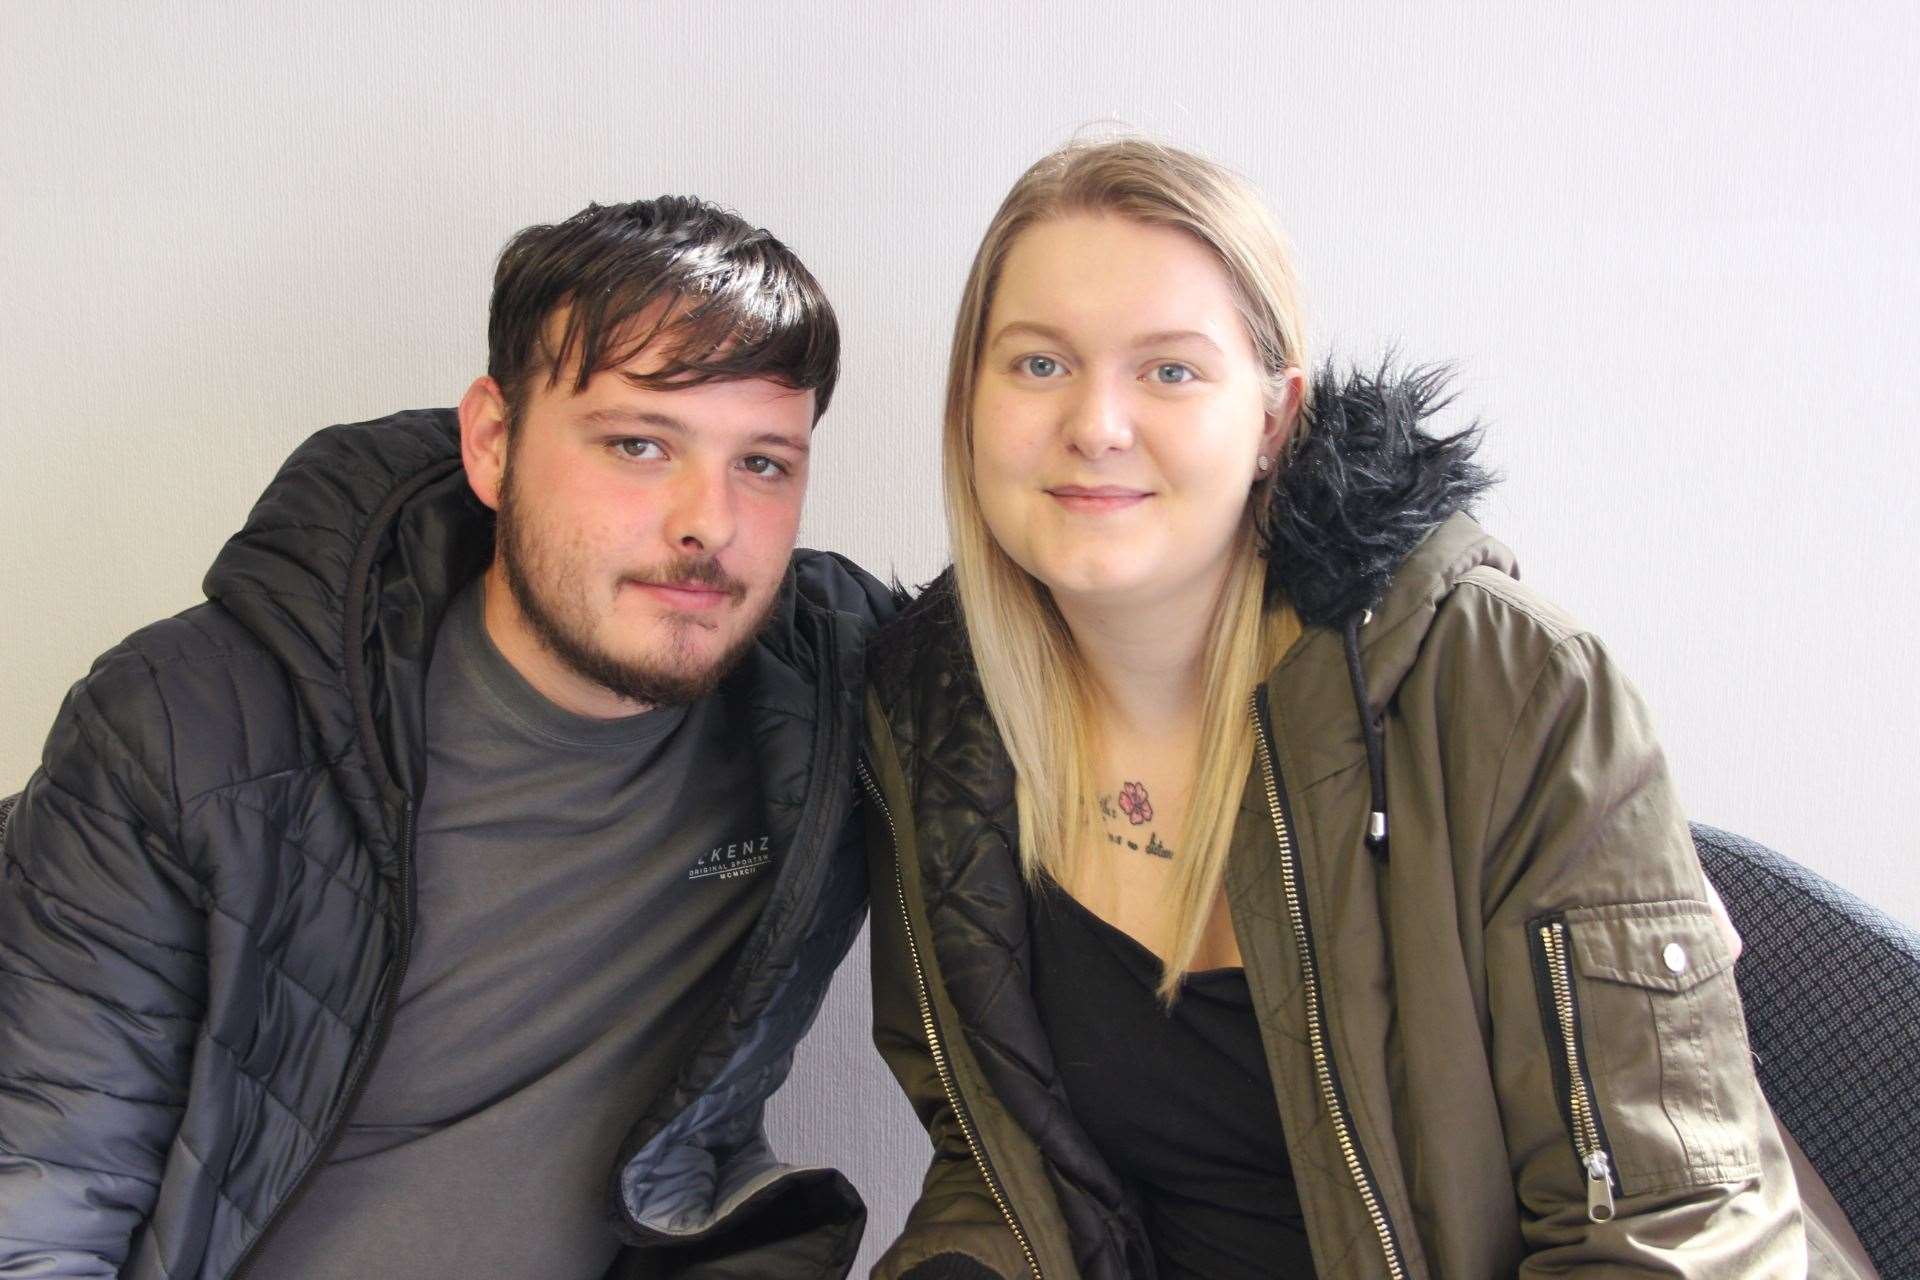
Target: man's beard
[(545, 592)]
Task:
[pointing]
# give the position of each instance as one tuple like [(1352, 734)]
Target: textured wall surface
[(1671, 247)]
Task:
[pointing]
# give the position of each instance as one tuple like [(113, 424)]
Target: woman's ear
[(1283, 419)]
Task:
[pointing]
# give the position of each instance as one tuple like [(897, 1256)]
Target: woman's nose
[(1098, 421)]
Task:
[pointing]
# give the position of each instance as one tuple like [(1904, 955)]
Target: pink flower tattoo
[(1134, 803)]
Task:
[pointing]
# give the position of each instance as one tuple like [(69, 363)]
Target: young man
[(445, 896)]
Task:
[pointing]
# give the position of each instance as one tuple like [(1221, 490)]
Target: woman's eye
[(1039, 366), (1172, 373), (760, 464), (632, 448)]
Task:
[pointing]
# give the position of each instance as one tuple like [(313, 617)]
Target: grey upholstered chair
[(1832, 991)]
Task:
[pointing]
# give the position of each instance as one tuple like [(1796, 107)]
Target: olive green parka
[(1498, 1011)]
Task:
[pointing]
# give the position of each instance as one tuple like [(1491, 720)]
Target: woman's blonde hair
[(1037, 688)]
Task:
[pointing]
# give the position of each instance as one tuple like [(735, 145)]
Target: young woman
[(1265, 882)]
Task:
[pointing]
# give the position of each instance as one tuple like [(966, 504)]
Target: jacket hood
[(1369, 520), (343, 571), (1362, 487)]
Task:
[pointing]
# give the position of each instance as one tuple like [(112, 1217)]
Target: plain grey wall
[(1672, 248)]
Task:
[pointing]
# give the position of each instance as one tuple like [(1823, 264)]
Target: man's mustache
[(693, 573)]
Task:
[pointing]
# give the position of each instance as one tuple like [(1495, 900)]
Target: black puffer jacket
[(206, 904)]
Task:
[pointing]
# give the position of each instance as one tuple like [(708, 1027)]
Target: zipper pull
[(1599, 1187)]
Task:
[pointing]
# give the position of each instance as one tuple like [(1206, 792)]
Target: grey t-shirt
[(582, 888)]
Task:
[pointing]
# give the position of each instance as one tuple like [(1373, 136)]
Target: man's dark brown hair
[(724, 299)]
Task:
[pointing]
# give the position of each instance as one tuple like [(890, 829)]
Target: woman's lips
[(1097, 499)]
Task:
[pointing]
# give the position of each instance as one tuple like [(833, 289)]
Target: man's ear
[(483, 439)]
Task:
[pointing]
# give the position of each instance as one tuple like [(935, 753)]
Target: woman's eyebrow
[(1161, 337), (1045, 332)]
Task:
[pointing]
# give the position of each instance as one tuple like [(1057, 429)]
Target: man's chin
[(656, 684), (702, 655)]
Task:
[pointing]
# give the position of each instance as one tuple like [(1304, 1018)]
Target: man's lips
[(1093, 499), (690, 597)]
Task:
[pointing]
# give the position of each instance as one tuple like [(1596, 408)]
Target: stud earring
[(1264, 463)]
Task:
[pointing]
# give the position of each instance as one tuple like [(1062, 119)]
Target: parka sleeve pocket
[(1641, 1011)]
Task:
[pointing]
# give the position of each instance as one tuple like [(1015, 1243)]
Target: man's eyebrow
[(633, 418), (799, 444), (630, 418)]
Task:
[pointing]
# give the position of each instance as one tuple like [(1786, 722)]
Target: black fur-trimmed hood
[(1361, 487)]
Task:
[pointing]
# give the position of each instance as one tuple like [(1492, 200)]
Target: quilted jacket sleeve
[(954, 1231), (1639, 1140), (102, 978)]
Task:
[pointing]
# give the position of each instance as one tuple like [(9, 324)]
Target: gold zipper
[(932, 1030), (1592, 1152), (1316, 1033)]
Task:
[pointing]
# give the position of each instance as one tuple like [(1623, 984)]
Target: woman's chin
[(1100, 587)]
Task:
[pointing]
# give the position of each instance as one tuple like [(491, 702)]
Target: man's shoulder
[(156, 663), (186, 697), (204, 636), (829, 580)]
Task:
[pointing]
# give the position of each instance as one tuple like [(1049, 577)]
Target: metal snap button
[(1675, 956)]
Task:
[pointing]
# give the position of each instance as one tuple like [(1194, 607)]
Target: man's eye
[(1172, 373), (1039, 366), (635, 448), (760, 464)]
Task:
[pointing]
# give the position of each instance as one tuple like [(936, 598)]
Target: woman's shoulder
[(1459, 616), (1492, 606), (1460, 596), (927, 635), (1512, 645)]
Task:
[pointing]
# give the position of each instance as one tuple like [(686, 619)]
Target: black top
[(1178, 1101)]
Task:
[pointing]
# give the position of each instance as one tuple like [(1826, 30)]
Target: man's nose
[(700, 518)]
